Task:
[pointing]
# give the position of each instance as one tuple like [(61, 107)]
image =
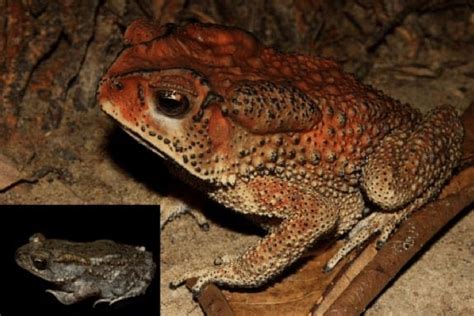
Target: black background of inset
[(24, 294)]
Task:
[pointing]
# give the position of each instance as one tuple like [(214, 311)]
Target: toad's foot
[(378, 222), (68, 298), (231, 274), (111, 301), (172, 208), (370, 225), (199, 274)]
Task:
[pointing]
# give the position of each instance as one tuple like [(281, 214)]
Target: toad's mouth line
[(106, 108), (161, 154), (143, 141)]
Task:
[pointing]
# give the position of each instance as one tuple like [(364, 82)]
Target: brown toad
[(102, 268), (283, 136)]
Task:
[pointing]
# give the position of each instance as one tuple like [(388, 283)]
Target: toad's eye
[(39, 263), (171, 102)]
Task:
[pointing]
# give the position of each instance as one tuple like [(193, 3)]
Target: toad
[(287, 137), (103, 268)]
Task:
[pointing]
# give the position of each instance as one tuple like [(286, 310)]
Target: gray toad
[(103, 268)]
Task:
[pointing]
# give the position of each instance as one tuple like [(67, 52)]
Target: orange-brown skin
[(284, 136)]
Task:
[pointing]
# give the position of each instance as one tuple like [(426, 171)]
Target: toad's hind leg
[(407, 170), (310, 217), (410, 168)]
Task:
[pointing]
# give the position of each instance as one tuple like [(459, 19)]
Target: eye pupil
[(39, 263), (171, 103)]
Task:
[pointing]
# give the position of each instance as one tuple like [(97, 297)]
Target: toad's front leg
[(311, 216)]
